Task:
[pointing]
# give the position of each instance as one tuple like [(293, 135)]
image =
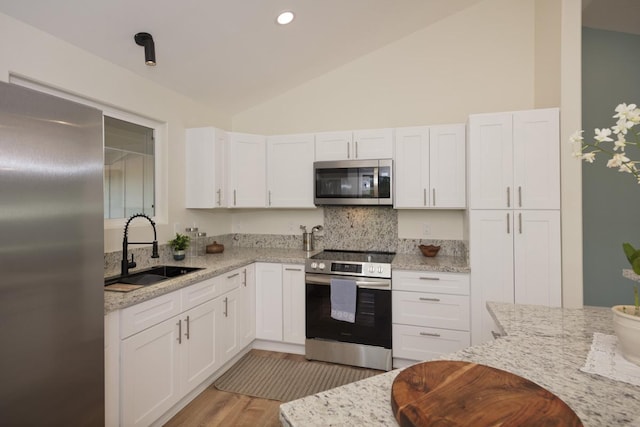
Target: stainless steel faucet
[(125, 264)]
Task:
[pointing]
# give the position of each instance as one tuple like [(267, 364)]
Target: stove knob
[(380, 269), (321, 266), (371, 269), (314, 265)]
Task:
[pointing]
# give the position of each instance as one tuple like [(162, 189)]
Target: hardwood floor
[(213, 407)]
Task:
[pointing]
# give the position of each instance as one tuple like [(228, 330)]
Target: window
[(129, 169), (135, 176)]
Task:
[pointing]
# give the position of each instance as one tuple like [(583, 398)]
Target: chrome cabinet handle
[(292, 269), (269, 197), (233, 275), (187, 334), (424, 196), (508, 197), (244, 277), (508, 224), (356, 149), (219, 196), (519, 196), (429, 278), (179, 331), (348, 151), (520, 222), (234, 197), (430, 299), (429, 334), (226, 307), (433, 202)]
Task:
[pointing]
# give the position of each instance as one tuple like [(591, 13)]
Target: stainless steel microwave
[(353, 182)]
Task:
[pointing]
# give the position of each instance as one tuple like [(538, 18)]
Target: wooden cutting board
[(452, 393)]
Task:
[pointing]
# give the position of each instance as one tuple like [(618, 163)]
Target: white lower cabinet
[(431, 315), (280, 295), (173, 343)]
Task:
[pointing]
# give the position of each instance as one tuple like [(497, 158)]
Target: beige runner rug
[(285, 380)]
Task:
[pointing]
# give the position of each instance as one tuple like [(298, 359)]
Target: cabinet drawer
[(418, 343), (141, 316), (230, 280), (199, 293), (427, 281), (432, 310)]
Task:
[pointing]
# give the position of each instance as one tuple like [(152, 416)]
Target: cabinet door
[(490, 161), (269, 301), (333, 146), (536, 153), (247, 171), (537, 258), (293, 303), (205, 157), (228, 331), (247, 307), (447, 166), (290, 171), (412, 168), (150, 373), (491, 258), (373, 144), (199, 354)]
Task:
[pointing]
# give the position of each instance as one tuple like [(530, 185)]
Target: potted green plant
[(626, 318), (178, 245)]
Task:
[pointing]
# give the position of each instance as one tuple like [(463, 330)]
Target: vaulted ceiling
[(231, 55)]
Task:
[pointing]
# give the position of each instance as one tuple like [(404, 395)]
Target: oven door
[(373, 311)]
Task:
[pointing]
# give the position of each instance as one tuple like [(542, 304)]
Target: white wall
[(28, 52)]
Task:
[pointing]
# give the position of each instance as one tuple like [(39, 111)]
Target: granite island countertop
[(545, 345), (232, 258)]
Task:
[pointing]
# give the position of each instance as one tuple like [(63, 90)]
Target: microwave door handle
[(375, 183)]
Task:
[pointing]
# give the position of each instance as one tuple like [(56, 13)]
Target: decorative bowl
[(429, 250), (215, 248)]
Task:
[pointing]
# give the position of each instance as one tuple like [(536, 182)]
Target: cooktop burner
[(351, 263), (354, 256)]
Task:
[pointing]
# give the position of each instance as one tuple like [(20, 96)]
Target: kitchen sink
[(151, 275)]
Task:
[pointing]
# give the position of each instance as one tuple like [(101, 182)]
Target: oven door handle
[(326, 280)]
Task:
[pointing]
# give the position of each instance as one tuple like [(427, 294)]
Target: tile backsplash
[(361, 228)]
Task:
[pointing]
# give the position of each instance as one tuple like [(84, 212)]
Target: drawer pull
[(429, 299), (429, 278), (187, 334), (233, 275), (429, 334), (292, 269), (179, 331)]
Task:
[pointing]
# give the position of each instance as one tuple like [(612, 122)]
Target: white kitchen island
[(545, 345)]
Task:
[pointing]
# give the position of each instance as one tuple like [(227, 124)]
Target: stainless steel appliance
[(51, 261), (367, 341), (353, 182)]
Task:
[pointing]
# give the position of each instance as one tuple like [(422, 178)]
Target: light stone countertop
[(232, 258), (545, 345)]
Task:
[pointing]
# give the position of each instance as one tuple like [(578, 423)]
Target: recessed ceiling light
[(285, 17)]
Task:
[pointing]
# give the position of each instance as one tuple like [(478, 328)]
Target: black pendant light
[(146, 40)]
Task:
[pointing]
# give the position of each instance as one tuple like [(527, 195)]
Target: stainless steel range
[(367, 341)]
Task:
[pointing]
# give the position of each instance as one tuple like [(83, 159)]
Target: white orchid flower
[(602, 135), (617, 160), (624, 110), (619, 143), (589, 157), (576, 136), (622, 126)]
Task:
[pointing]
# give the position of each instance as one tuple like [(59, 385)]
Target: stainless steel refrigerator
[(51, 261)]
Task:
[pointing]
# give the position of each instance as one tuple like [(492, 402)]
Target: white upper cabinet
[(430, 167), (247, 171), (514, 160), (290, 171), (354, 145), (205, 166)]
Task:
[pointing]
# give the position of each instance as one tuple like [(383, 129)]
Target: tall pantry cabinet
[(514, 217)]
